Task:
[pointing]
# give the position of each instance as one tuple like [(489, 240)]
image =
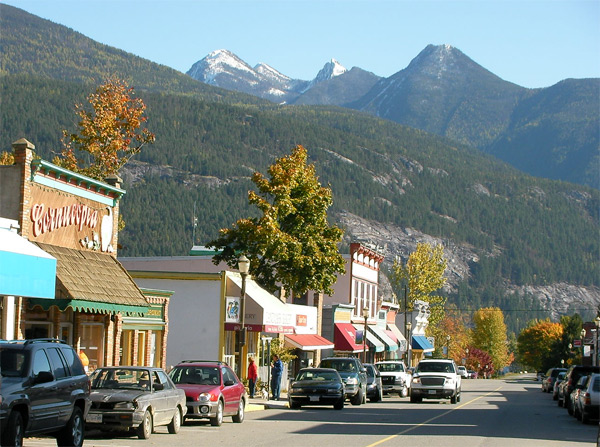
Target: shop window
[(37, 329), (66, 333)]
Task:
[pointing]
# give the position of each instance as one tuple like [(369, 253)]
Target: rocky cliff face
[(393, 241)]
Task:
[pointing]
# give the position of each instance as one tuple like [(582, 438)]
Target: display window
[(92, 343)]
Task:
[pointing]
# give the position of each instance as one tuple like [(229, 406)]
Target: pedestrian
[(252, 375), (276, 371)]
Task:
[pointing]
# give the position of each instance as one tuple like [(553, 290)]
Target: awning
[(344, 338), (263, 311), (308, 342), (25, 269), (400, 339), (372, 341), (94, 282), (420, 342), (380, 333)]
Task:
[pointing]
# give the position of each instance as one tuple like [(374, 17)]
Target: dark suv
[(45, 390), (353, 374)]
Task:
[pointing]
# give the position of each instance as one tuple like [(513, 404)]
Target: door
[(42, 396), (160, 402), (232, 393), (65, 385)]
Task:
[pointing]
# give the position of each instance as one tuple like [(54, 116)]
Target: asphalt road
[(510, 412)]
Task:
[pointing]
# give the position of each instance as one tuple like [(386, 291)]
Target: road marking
[(414, 427)]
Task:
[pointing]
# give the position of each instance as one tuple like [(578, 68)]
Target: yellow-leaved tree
[(110, 134), (489, 335), (423, 274)]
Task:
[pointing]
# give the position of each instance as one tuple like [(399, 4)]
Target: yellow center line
[(403, 432)]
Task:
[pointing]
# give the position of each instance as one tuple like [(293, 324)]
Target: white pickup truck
[(436, 379), (394, 377)]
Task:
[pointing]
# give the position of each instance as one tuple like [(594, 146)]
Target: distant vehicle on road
[(317, 386), (374, 383), (353, 374), (394, 377), (463, 372), (436, 379)]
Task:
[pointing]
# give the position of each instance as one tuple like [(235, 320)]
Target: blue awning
[(420, 342), (25, 269)]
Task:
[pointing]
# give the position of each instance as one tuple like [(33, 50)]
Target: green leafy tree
[(489, 334), (423, 274), (109, 135), (292, 243), (535, 343)]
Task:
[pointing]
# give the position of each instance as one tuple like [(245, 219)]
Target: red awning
[(308, 342), (344, 338), (391, 335)]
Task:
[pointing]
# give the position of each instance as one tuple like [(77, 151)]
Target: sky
[(532, 43)]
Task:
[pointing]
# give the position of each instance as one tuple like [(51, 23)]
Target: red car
[(212, 390)]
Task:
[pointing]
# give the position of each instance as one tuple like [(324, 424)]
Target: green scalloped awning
[(90, 306)]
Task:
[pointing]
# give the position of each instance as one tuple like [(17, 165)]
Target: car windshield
[(12, 362), (390, 367), (435, 367), (121, 378), (317, 375), (340, 365), (196, 375)]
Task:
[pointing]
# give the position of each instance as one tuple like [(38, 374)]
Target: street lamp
[(597, 321), (243, 267), (365, 314), (582, 344), (408, 353), (447, 346)]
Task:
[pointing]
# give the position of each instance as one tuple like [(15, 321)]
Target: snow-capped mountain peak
[(216, 63), (330, 70)]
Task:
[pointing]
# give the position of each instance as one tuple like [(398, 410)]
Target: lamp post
[(243, 267), (365, 314), (582, 344), (408, 353), (597, 321), (447, 346)]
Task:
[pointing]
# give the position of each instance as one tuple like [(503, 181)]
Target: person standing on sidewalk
[(276, 371), (252, 375)]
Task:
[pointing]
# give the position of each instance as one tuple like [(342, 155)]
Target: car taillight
[(587, 399)]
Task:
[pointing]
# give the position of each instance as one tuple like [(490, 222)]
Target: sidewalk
[(258, 403)]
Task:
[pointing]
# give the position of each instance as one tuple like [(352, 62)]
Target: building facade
[(95, 305)]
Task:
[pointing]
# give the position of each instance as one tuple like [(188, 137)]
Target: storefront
[(73, 219)]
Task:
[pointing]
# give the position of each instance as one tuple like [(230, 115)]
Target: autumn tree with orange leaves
[(535, 343), (110, 134)]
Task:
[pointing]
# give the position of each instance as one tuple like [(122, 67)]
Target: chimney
[(23, 156)]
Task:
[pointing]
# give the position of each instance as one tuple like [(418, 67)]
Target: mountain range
[(526, 244), (445, 92)]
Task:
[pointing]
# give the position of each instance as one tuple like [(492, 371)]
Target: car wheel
[(377, 396), (218, 419), (358, 398), (453, 399), (239, 416), (73, 433), (585, 418), (415, 399), (145, 428), (339, 404), (404, 392), (175, 423), (294, 405), (13, 435)]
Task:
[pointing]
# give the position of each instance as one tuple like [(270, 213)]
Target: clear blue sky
[(533, 43)]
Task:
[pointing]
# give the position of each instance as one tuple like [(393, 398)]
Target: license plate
[(94, 418), (314, 398), (432, 391)]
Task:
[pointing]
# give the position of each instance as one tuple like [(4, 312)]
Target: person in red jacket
[(252, 375)]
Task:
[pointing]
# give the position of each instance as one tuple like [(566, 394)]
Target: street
[(510, 412)]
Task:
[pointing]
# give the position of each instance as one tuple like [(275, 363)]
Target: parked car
[(135, 397), (472, 374), (463, 372), (571, 379), (374, 383), (317, 386), (587, 400), (394, 377), (559, 379), (539, 376), (353, 374), (212, 390), (436, 379), (550, 378), (45, 390)]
